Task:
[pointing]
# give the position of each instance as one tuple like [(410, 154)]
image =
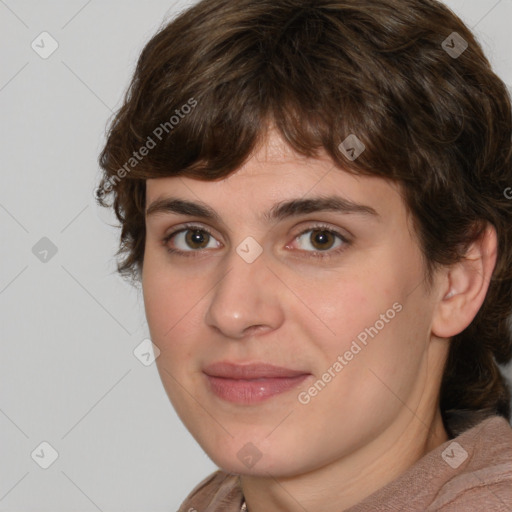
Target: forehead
[(272, 148), (274, 173)]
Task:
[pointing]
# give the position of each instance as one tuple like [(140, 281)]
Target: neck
[(347, 481)]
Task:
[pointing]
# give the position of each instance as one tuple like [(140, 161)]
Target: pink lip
[(251, 383)]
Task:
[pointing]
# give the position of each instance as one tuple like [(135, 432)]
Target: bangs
[(206, 124)]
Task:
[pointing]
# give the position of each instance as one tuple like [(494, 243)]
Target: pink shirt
[(470, 473)]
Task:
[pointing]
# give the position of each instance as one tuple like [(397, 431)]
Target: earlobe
[(464, 285)]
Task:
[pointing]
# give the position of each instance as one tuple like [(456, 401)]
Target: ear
[(464, 285)]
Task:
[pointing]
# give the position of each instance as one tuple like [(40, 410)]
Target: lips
[(250, 371), (251, 383)]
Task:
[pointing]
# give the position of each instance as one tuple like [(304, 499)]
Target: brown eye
[(197, 239), (190, 240), (321, 239)]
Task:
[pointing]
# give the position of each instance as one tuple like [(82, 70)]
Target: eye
[(321, 239), (190, 239)]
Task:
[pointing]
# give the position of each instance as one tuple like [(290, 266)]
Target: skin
[(380, 413)]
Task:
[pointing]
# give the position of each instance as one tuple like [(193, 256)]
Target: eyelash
[(315, 254)]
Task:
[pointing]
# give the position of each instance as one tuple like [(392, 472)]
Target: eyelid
[(186, 227), (328, 253), (325, 227)]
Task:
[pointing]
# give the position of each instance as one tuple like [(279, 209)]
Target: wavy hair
[(406, 76)]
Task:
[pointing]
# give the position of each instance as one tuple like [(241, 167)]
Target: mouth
[(251, 383)]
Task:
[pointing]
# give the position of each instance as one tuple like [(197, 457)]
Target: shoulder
[(469, 473), (480, 469), (218, 491)]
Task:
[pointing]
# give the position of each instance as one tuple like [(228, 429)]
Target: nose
[(246, 300)]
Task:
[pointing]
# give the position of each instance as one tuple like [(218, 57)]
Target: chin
[(243, 456), (262, 468)]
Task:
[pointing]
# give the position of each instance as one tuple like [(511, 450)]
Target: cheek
[(385, 355), (170, 317), (342, 306), (371, 319), (170, 303)]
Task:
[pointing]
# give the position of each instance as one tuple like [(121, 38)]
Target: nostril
[(256, 329)]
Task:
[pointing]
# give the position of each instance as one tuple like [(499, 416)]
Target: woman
[(313, 197)]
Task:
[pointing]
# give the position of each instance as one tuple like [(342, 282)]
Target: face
[(290, 310)]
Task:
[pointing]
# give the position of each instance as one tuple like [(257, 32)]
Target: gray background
[(69, 324)]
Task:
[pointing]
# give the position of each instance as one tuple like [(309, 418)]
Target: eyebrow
[(279, 211)]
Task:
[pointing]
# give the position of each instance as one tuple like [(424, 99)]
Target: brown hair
[(431, 113)]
